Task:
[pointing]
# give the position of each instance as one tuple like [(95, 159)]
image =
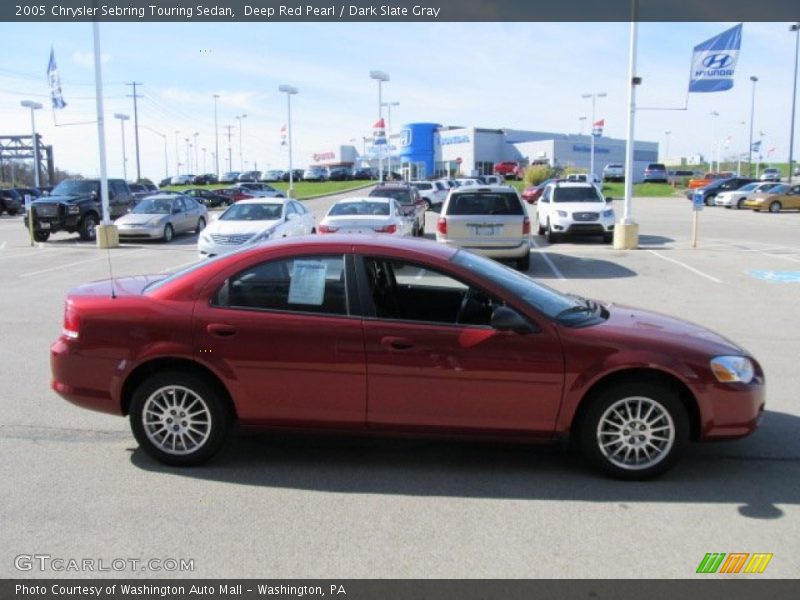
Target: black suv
[(711, 190), (74, 206), (10, 201), (408, 198)]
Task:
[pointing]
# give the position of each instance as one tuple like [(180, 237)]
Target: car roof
[(482, 188), (573, 184), (263, 201), (364, 199)]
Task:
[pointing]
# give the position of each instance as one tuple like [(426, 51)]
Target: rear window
[(657, 167), (403, 196), (423, 186), (359, 208), (485, 204), (576, 194)]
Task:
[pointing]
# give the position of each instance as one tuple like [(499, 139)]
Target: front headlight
[(608, 213), (73, 209), (732, 369), (562, 213)]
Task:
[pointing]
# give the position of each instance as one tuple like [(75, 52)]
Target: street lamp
[(34, 140), (389, 106), (754, 79), (241, 155), (289, 91), (177, 154), (122, 118), (714, 114), (582, 120), (666, 149), (204, 160), (594, 96), (196, 160), (188, 156), (216, 135), (796, 28), (380, 77)]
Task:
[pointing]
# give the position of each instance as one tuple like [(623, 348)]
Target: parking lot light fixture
[(241, 154), (594, 96), (34, 140), (289, 91), (795, 27), (122, 118), (754, 79), (380, 77), (389, 106), (666, 148), (216, 135)]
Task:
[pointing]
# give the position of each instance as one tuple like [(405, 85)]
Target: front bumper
[(732, 410), (569, 225), (149, 232)]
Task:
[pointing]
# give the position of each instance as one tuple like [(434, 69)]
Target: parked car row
[(742, 192)]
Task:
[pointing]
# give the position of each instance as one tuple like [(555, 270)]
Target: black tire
[(427, 204), (169, 234), (88, 227), (524, 263), (775, 206), (41, 236), (552, 236), (539, 229), (608, 238), (212, 420), (665, 428), (421, 229), (709, 200), (740, 204), (201, 224)]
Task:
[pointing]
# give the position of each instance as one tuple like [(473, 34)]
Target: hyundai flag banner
[(756, 146), (714, 61), (55, 82)]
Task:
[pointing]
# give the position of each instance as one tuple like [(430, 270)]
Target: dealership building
[(425, 150)]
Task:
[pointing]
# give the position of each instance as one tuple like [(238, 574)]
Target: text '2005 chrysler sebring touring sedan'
[(395, 335)]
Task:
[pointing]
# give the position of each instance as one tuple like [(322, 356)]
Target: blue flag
[(756, 146), (55, 82), (714, 61)]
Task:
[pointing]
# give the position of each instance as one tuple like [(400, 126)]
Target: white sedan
[(367, 215), (736, 198), (254, 221)]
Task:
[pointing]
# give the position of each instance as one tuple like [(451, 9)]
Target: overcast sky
[(516, 75)]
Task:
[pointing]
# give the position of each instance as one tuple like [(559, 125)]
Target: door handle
[(396, 343), (221, 330)]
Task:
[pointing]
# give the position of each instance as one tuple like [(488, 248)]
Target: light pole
[(389, 106), (380, 77), (754, 79), (196, 153), (241, 154), (204, 160), (666, 149), (582, 120), (216, 135), (34, 140), (714, 114), (289, 91), (122, 118), (177, 154), (594, 96), (188, 157), (796, 28)]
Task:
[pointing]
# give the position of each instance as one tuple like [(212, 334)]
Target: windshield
[(252, 212), (359, 208), (153, 206), (567, 309), (576, 194), (76, 187)]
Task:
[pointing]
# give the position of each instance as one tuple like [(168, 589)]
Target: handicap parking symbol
[(776, 276)]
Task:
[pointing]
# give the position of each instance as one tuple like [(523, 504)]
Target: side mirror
[(609, 199), (507, 319)]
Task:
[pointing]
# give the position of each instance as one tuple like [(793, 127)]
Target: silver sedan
[(162, 217)]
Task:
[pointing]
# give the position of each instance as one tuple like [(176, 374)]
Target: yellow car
[(788, 200)]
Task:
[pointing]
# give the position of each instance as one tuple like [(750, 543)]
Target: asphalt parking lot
[(76, 486)]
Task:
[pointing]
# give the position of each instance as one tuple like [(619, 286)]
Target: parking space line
[(3, 246), (80, 262), (685, 266), (549, 262)]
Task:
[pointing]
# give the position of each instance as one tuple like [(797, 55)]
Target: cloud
[(86, 59)]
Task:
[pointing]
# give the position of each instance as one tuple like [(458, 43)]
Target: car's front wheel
[(740, 204), (168, 234), (178, 418), (201, 224), (41, 236), (635, 430), (552, 236), (88, 228)]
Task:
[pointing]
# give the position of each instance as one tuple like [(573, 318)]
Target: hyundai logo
[(717, 61)]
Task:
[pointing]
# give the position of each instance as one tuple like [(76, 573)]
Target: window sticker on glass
[(308, 282)]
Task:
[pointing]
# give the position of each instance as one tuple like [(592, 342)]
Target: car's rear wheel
[(178, 418), (709, 200), (427, 204), (524, 263), (88, 228), (608, 238), (41, 236), (201, 224), (168, 234), (775, 206), (635, 430)]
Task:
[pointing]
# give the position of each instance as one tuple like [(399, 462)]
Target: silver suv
[(489, 220)]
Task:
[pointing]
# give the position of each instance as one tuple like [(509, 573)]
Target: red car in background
[(234, 194), (395, 336), (510, 169), (532, 193)]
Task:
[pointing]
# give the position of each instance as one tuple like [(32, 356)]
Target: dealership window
[(484, 167), (313, 284)]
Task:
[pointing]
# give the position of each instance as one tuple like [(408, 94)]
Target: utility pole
[(136, 126), (216, 135), (230, 163)]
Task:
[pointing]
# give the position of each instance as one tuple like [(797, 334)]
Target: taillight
[(526, 226), (386, 229), (327, 229), (72, 323), (441, 226)]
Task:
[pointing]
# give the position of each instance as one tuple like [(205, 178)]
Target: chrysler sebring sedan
[(162, 217), (390, 335)]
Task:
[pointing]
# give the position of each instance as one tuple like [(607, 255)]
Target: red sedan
[(395, 335), (233, 194), (532, 193)]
